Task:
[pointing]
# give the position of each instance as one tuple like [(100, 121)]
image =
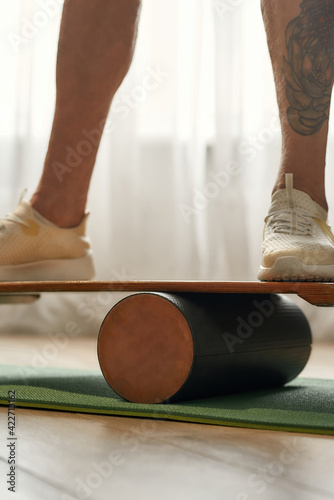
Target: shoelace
[(285, 221)]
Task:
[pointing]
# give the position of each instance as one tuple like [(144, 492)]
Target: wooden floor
[(67, 456)]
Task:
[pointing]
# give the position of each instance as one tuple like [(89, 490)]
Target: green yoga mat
[(303, 405)]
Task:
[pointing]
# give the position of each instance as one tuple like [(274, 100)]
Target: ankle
[(317, 194), (57, 213)]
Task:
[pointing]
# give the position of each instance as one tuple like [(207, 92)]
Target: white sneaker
[(298, 244), (34, 249)]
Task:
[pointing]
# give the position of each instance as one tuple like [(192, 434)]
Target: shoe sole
[(293, 269), (50, 270)]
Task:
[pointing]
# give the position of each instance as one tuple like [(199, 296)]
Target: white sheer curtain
[(186, 166)]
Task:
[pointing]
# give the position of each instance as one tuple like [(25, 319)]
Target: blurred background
[(184, 174)]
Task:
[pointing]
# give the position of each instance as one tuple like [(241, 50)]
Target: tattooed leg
[(309, 67), (300, 36)]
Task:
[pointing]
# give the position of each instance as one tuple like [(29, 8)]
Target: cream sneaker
[(34, 249), (298, 244)]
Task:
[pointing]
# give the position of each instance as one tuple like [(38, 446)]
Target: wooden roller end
[(145, 348)]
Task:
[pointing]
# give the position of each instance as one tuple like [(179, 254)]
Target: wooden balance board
[(179, 340)]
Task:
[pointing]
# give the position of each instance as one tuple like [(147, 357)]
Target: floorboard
[(74, 456)]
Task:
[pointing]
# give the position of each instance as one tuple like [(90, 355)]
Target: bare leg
[(300, 37), (95, 50)]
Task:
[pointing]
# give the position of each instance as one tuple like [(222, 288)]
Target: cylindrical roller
[(159, 347)]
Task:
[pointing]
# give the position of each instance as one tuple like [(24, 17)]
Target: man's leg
[(300, 37), (95, 50), (46, 238), (298, 244)]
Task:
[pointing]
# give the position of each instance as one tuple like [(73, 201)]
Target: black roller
[(159, 347)]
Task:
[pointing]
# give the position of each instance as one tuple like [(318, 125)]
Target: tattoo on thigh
[(309, 67)]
